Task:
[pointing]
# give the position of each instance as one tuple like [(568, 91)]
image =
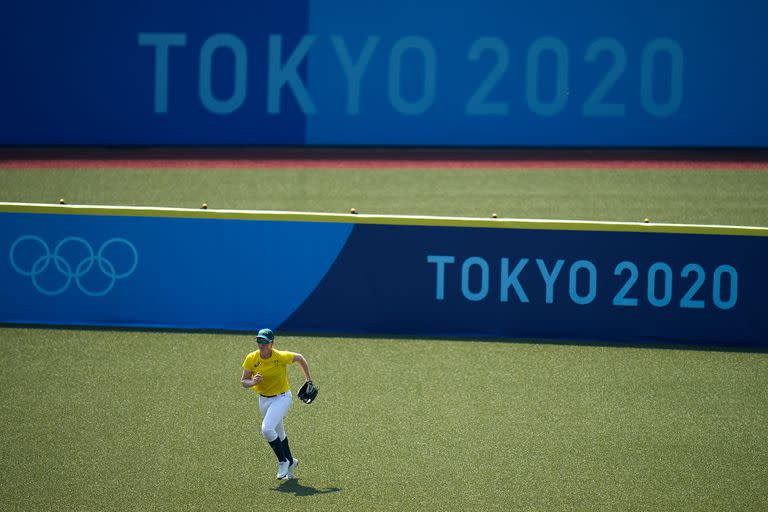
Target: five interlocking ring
[(81, 268)]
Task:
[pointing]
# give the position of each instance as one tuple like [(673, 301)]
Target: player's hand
[(257, 378)]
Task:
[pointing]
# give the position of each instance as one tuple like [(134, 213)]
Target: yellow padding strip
[(392, 220)]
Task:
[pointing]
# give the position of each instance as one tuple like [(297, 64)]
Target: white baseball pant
[(273, 410)]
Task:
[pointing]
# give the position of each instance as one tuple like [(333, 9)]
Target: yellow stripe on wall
[(393, 220)]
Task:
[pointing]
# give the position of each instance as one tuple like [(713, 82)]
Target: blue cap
[(265, 334)]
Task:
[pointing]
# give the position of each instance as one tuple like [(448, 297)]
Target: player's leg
[(287, 449), (280, 428), (270, 435), (294, 462), (274, 411)]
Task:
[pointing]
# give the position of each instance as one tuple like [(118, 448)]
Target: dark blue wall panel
[(431, 277), (86, 72), (554, 284), (486, 72)]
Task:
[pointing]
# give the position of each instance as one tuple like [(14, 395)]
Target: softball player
[(265, 370)]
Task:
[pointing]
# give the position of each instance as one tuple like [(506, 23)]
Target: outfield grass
[(96, 420), (122, 420), (731, 197)]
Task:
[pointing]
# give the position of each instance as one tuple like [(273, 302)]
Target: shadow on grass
[(294, 487)]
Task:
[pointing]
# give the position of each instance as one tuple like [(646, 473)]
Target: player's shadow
[(293, 486)]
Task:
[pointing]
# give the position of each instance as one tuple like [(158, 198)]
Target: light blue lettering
[(162, 43), (675, 75), (465, 269), (595, 106), (440, 261), (621, 298), (477, 104), (535, 51), (716, 287), (508, 280), (427, 51), (667, 296), (354, 71), (237, 47), (288, 74), (549, 277), (572, 284), (688, 301)]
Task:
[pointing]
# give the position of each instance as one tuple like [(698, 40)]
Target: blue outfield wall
[(364, 72), (380, 275)]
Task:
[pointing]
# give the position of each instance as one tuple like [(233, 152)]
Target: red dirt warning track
[(421, 158)]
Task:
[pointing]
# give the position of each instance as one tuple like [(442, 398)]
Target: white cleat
[(291, 469), (282, 469)]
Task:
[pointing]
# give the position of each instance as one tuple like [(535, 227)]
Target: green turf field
[(100, 420), (733, 197), (97, 420)]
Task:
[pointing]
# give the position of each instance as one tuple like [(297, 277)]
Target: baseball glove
[(307, 392)]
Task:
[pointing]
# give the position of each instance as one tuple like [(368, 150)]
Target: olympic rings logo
[(91, 261)]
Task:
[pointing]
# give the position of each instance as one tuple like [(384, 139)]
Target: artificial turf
[(140, 420), (704, 196)]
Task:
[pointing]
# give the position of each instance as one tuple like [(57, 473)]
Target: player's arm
[(298, 358), (248, 380)]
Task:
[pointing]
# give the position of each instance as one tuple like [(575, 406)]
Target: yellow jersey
[(273, 370)]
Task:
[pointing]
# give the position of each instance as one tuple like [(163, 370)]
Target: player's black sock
[(277, 447), (287, 450)]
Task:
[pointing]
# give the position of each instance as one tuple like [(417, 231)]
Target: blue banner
[(552, 283), (145, 72), (545, 73), (342, 72), (160, 271), (415, 276)]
